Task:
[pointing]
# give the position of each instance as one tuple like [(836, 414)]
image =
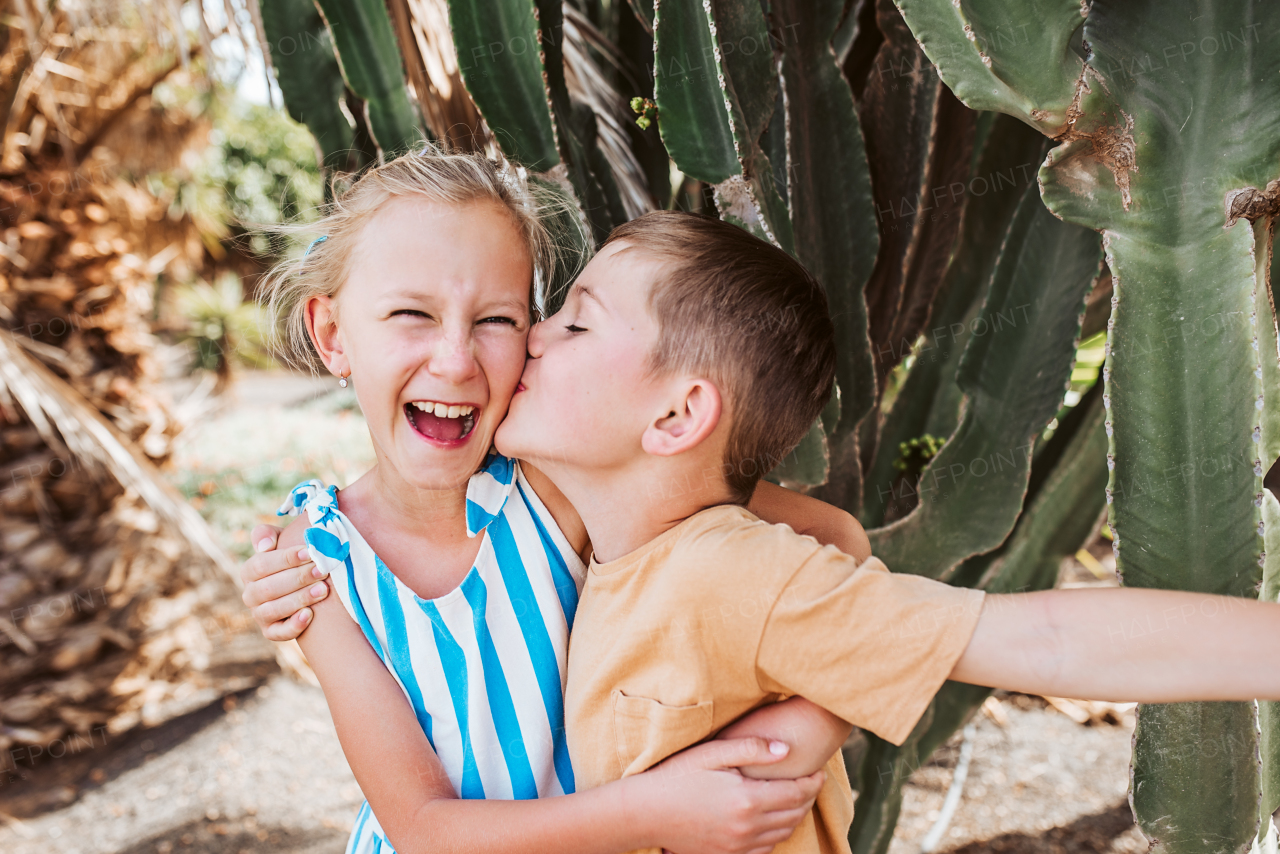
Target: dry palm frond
[(67, 422), (447, 108), (111, 583)]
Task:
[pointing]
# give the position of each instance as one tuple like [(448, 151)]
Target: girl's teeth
[(444, 410)]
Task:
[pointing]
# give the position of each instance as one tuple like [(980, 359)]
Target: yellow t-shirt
[(724, 613)]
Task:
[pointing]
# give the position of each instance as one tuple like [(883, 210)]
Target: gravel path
[(258, 773), (263, 772), (1038, 784)]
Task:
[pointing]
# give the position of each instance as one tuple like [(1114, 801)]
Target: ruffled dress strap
[(328, 537), (355, 572), (488, 491)]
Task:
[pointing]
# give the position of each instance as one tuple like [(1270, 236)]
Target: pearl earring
[(342, 382)]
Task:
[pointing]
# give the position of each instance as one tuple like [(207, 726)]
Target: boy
[(695, 612), (688, 357)]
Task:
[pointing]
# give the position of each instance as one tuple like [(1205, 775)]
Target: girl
[(420, 291)]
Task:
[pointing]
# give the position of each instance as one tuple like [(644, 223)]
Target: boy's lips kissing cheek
[(440, 422)]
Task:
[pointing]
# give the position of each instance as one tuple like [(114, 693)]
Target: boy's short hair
[(748, 316)]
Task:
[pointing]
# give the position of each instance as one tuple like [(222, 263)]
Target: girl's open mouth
[(441, 422)]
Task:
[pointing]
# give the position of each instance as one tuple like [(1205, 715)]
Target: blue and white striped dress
[(484, 665)]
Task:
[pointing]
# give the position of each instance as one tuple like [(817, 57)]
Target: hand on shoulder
[(281, 582)]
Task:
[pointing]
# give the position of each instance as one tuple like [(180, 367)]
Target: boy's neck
[(625, 510)]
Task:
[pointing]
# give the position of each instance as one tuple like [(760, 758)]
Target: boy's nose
[(537, 339)]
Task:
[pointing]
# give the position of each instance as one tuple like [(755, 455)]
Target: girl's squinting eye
[(575, 329)]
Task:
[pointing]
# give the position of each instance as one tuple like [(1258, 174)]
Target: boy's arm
[(813, 733), (1127, 644), (701, 808), (829, 525), (280, 585)]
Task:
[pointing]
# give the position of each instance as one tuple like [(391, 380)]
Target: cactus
[(308, 75), (841, 132), (714, 106), (1064, 500), (1162, 151), (371, 65), (832, 214), (929, 401), (511, 57)]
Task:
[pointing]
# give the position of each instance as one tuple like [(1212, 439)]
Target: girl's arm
[(701, 808), (829, 525)]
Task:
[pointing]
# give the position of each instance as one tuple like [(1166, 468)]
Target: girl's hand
[(279, 586), (702, 804), (813, 733)]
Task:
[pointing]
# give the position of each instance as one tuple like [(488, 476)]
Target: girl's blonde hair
[(433, 174)]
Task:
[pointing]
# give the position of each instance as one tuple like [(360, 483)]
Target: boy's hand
[(702, 804), (279, 585)]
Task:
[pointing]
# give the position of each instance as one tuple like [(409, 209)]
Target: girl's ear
[(322, 325), (693, 416)]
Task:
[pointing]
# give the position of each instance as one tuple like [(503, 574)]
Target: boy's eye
[(510, 321), (575, 329), (410, 312)]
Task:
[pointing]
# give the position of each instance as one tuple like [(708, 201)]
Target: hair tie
[(312, 245)]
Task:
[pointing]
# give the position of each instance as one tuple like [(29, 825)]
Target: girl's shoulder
[(319, 525), (306, 495)]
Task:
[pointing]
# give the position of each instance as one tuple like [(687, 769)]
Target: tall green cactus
[(1168, 122), (370, 60), (510, 56), (835, 130), (308, 75)]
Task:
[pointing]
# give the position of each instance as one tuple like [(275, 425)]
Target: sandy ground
[(264, 772), (259, 772), (1040, 783)]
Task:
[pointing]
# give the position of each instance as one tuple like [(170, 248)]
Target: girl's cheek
[(504, 357)]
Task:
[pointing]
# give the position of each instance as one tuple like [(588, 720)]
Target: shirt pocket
[(647, 731)]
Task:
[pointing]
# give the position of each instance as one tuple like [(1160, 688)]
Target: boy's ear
[(322, 326), (694, 415)]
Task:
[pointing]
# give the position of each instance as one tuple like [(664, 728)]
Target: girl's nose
[(454, 359)]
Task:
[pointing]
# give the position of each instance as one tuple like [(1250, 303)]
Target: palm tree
[(110, 584)]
